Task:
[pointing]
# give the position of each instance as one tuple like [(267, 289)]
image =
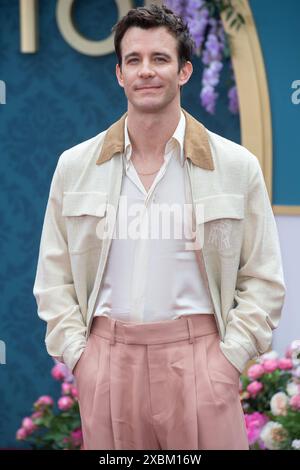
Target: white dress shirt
[(150, 275)]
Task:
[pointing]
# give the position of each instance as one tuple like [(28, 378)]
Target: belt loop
[(191, 330), (112, 331)]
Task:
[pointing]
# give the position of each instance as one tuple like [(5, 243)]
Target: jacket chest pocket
[(220, 220), (84, 213)]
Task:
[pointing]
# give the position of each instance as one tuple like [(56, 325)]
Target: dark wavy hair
[(151, 17)]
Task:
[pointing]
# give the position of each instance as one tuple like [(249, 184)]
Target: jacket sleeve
[(53, 287), (260, 288)]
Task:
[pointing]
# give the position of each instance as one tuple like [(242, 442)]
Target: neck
[(149, 132)]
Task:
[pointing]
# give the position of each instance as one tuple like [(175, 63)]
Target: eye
[(160, 59)]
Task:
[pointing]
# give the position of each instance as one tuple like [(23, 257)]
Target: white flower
[(269, 355), (279, 403), (272, 433), (296, 444), (295, 345), (296, 373), (295, 349), (292, 389)]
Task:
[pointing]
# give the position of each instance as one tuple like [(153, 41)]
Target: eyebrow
[(134, 54)]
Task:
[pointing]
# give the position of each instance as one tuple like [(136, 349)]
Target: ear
[(185, 73), (119, 75)]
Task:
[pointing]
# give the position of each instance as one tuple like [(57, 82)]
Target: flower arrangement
[(212, 44), (47, 429), (270, 397)]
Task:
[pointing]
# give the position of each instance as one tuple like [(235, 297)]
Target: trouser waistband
[(181, 328)]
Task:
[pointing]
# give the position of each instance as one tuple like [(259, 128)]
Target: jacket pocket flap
[(219, 206), (84, 203)]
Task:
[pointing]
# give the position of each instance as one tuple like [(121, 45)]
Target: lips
[(149, 88)]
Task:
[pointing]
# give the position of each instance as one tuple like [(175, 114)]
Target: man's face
[(149, 73)]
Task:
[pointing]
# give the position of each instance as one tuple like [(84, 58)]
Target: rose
[(37, 415), (43, 401), (28, 425), (270, 365), (255, 371), (58, 372), (254, 424), (285, 364), (295, 402), (65, 403), (66, 388), (254, 388), (21, 434), (76, 437)]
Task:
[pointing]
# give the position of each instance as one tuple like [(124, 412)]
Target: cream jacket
[(240, 257)]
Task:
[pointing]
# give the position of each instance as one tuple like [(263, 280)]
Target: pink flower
[(37, 415), (270, 365), (288, 352), (254, 424), (66, 388), (28, 425), (58, 371), (254, 388), (285, 364), (255, 371), (74, 392), (44, 400), (295, 402), (62, 372), (65, 403), (21, 434), (76, 437)]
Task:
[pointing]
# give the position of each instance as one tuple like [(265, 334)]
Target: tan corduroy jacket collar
[(196, 145)]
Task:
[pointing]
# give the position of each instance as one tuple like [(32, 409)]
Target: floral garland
[(212, 44)]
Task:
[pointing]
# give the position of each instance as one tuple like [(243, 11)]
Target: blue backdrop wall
[(55, 99), (277, 25)]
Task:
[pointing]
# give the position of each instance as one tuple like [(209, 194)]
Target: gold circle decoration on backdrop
[(73, 37)]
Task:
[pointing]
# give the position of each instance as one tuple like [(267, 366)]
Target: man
[(157, 329)]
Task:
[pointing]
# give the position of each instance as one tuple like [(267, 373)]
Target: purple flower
[(208, 98), (233, 100), (211, 74), (176, 6)]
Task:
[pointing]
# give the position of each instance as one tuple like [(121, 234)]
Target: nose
[(146, 71)]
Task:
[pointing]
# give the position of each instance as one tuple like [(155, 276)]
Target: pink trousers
[(163, 385)]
